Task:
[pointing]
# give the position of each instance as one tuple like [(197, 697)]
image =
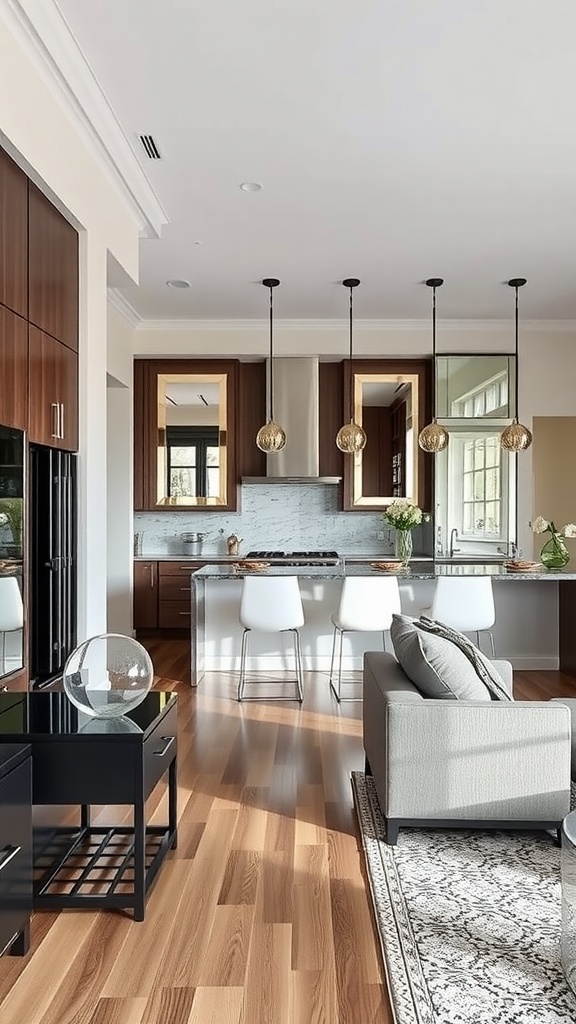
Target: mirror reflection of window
[(193, 462), (469, 387), (192, 439)]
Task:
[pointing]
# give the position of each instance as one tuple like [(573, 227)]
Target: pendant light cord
[(516, 388), (516, 283), (271, 371), (350, 357)]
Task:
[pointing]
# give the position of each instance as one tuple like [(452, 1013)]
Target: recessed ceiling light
[(175, 283), (250, 186)]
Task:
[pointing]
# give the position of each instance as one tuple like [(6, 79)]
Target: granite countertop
[(417, 570), (208, 557)]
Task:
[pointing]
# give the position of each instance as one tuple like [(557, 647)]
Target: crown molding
[(360, 326), (44, 34), (122, 306)]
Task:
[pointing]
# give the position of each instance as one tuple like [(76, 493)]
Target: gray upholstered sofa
[(463, 763)]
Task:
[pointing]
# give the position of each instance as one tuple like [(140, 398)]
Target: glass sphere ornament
[(351, 438), (108, 675), (271, 438), (515, 437), (433, 438)]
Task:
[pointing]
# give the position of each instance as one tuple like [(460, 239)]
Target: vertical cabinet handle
[(62, 420), (151, 576), (55, 419)]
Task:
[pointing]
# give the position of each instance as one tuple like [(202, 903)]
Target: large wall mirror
[(389, 404), (188, 433), (475, 482), (192, 439)]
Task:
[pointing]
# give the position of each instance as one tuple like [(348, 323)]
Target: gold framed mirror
[(390, 403), (187, 434)]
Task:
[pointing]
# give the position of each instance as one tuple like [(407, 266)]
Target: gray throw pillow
[(437, 668)]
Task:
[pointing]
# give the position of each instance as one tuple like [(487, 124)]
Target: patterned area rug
[(469, 922)]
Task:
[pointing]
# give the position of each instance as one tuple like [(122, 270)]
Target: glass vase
[(403, 545), (555, 554)]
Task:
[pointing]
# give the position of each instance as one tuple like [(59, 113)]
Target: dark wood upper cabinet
[(53, 392), (186, 434), (251, 415), (331, 414), (53, 270), (13, 236), (14, 370)]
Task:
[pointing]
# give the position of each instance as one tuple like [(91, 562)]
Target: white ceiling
[(394, 139)]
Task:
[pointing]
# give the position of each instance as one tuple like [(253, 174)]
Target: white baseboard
[(269, 663), (535, 664)]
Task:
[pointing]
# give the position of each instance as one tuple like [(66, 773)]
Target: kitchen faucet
[(453, 537)]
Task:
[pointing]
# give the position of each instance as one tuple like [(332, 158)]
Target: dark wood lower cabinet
[(162, 595), (15, 848), (145, 607)]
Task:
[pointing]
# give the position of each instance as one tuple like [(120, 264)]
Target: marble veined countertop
[(416, 570)]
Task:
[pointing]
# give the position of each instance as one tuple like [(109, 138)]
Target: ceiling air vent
[(150, 147)]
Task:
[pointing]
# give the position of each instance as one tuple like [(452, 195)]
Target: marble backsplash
[(288, 517)]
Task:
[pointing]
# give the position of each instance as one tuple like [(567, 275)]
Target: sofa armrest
[(507, 672), (459, 759)]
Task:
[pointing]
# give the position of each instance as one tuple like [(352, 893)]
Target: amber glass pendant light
[(351, 437), (516, 437), (271, 438), (433, 437)]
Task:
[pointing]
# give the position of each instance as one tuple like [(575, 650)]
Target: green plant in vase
[(403, 515), (554, 554)]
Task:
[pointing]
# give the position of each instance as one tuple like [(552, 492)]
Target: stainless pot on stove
[(193, 542)]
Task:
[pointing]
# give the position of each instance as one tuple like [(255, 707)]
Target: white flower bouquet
[(541, 525), (403, 514)]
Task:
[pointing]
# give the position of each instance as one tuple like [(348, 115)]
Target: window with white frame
[(479, 477)]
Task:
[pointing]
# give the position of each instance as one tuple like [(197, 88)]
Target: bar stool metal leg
[(297, 664), (337, 688), (242, 680), (299, 676)]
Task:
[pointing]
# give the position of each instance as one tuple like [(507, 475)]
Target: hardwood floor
[(261, 915)]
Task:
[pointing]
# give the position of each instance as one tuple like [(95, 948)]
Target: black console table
[(85, 761)]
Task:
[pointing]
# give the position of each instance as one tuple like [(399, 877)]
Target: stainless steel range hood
[(296, 409)]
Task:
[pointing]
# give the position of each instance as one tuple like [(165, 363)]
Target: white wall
[(120, 494)]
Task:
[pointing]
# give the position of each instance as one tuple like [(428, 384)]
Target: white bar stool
[(367, 604), (465, 603), (11, 611), (271, 604)]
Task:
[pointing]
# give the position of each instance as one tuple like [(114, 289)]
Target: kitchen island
[(534, 624)]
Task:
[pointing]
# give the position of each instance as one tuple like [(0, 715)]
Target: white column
[(92, 457)]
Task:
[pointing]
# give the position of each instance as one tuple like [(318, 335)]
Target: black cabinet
[(15, 847), (87, 761)]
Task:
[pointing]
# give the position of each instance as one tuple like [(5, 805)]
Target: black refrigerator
[(53, 562)]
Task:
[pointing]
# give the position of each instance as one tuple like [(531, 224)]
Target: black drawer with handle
[(15, 847)]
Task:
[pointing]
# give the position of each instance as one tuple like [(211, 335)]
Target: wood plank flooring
[(261, 915)]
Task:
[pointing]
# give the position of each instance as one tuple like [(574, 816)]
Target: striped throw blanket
[(484, 668)]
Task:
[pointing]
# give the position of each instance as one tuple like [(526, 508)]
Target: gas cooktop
[(298, 557)]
